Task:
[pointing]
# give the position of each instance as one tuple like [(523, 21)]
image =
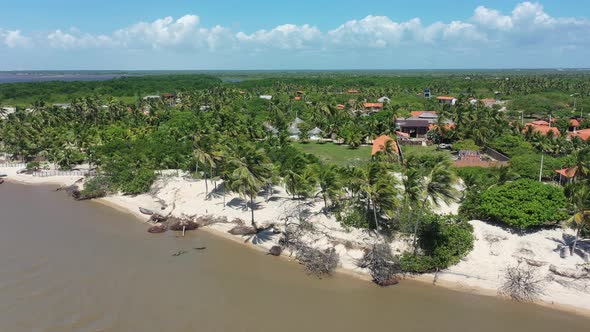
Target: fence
[(496, 155), (13, 165), (63, 173)]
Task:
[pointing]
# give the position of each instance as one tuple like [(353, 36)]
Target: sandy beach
[(480, 272)]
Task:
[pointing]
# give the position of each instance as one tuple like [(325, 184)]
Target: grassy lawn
[(340, 155)]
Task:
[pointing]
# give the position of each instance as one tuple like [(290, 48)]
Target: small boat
[(2, 175), (1, 181), (146, 211)]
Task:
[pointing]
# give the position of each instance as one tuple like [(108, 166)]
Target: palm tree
[(437, 186), (329, 182), (206, 158), (579, 196), (251, 170)]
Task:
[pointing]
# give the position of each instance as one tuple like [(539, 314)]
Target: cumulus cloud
[(13, 38), (526, 24)]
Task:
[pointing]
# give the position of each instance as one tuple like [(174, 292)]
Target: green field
[(337, 154)]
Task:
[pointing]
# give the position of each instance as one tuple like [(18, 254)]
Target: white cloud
[(287, 36), (527, 26), (14, 38)]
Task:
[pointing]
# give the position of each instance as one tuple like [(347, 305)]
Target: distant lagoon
[(21, 77)]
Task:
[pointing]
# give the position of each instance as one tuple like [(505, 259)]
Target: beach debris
[(158, 218), (529, 261), (208, 220), (383, 265), (146, 211), (157, 229), (1, 181), (522, 283), (569, 273), (178, 224), (242, 230), (318, 262), (179, 252), (200, 248), (275, 251)]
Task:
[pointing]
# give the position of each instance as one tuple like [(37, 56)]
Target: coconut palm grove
[(389, 154)]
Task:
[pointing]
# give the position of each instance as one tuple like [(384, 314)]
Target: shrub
[(137, 181), (33, 165), (382, 264), (524, 204), (97, 187), (521, 283), (467, 144), (444, 241)]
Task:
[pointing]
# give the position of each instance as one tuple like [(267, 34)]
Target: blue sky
[(304, 34)]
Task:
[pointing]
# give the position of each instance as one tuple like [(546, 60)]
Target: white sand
[(481, 271)]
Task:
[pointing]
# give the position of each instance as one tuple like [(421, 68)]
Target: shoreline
[(129, 205)]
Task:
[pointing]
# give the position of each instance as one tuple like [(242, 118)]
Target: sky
[(303, 34)]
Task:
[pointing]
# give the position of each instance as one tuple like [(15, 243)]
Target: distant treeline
[(59, 91)]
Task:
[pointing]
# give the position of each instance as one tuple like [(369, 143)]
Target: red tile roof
[(445, 98), (567, 172), (340, 106), (418, 113), (353, 91), (373, 105), (544, 129), (402, 134), (540, 123), (380, 142), (583, 134)]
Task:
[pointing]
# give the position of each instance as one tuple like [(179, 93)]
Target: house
[(315, 134), (543, 128), (446, 100), (352, 91), (150, 97), (430, 116), (583, 134), (489, 102), (294, 128), (373, 107), (380, 143), (340, 107), (415, 128), (384, 100), (169, 96), (267, 97), (566, 175)]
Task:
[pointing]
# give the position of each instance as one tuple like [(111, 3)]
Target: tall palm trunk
[(252, 210), (573, 249), (375, 215), (417, 224)]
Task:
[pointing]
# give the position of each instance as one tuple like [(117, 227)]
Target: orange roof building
[(380, 143), (544, 130), (373, 105), (584, 134), (353, 91), (340, 106)]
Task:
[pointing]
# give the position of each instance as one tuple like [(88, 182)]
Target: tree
[(329, 183), (251, 169), (437, 186), (524, 204), (579, 196)]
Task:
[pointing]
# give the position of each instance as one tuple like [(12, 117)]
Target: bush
[(524, 204), (97, 187), (467, 144), (33, 165), (137, 181), (382, 264), (444, 241)]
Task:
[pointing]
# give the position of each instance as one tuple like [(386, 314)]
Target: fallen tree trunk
[(569, 273)]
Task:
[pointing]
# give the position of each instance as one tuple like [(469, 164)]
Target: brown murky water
[(79, 266)]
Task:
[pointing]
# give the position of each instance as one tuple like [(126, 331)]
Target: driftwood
[(146, 211), (157, 229), (529, 261), (158, 218), (383, 265), (210, 220), (275, 251), (242, 230), (521, 283), (318, 262), (568, 273), (177, 224)]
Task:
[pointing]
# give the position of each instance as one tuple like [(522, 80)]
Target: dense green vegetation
[(524, 204), (224, 131)]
